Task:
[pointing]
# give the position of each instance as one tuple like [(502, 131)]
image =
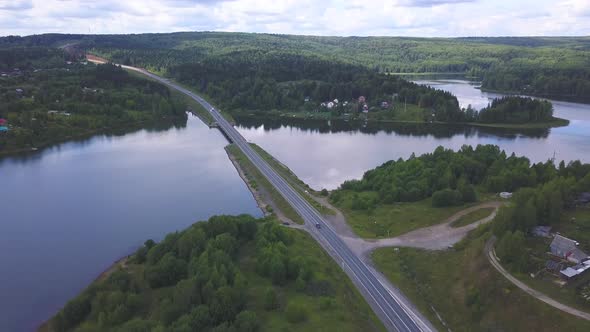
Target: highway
[(393, 312)]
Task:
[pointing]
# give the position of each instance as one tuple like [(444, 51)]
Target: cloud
[(429, 18), (15, 4), (431, 3)]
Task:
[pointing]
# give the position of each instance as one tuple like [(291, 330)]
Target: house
[(19, 91), (330, 105), (336, 101), (565, 248), (505, 195), (365, 108), (583, 199), (362, 100), (384, 104), (574, 271), (3, 126), (553, 266), (307, 99), (541, 231)]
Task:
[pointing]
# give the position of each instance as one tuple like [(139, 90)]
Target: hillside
[(553, 66)]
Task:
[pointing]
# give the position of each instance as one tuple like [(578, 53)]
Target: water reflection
[(69, 211), (371, 127), (326, 153)]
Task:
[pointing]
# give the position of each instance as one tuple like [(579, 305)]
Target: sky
[(426, 18)]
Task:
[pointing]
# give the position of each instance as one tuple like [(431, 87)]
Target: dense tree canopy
[(450, 178), (516, 110), (194, 281)]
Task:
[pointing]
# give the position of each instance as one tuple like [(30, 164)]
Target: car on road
[(286, 223), (317, 225)]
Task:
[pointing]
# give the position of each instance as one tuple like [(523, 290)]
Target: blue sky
[(429, 18)]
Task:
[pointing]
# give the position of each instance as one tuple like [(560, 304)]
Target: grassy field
[(347, 311), (255, 178), (304, 190), (467, 292), (395, 219), (472, 217)]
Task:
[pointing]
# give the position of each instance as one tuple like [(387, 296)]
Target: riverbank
[(364, 119), (267, 197), (115, 130)]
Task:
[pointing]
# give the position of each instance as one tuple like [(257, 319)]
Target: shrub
[(446, 197), (295, 313)]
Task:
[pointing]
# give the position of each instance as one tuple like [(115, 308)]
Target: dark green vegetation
[(472, 217), (467, 292), (548, 66), (447, 176), (516, 110), (46, 99), (227, 274)]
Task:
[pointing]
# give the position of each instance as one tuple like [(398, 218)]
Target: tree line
[(514, 109)]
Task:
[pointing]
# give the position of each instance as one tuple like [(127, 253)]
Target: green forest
[(47, 97), (516, 110), (449, 177), (231, 273), (556, 67)]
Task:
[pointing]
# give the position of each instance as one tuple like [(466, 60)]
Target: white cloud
[(330, 17)]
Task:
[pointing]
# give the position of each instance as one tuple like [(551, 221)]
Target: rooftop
[(562, 244)]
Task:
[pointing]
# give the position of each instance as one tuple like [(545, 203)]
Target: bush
[(446, 197), (295, 313), (271, 300), (246, 321)]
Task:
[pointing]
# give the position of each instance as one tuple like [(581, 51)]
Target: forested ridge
[(549, 66), (231, 273), (46, 96)]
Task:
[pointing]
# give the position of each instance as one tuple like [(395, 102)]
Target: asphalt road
[(393, 312)]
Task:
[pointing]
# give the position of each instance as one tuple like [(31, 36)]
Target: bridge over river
[(390, 306)]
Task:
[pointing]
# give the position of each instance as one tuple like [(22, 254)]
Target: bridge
[(390, 307)]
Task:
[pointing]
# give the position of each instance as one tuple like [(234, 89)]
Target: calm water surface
[(68, 212), (324, 154)]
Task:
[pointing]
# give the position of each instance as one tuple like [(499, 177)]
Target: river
[(68, 212), (326, 153)]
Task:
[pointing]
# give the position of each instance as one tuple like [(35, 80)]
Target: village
[(361, 105), (560, 253)]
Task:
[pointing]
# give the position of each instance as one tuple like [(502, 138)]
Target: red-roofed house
[(2, 122)]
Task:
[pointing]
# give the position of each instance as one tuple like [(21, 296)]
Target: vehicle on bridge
[(317, 225)]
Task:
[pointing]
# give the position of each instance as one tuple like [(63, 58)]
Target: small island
[(516, 111)]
